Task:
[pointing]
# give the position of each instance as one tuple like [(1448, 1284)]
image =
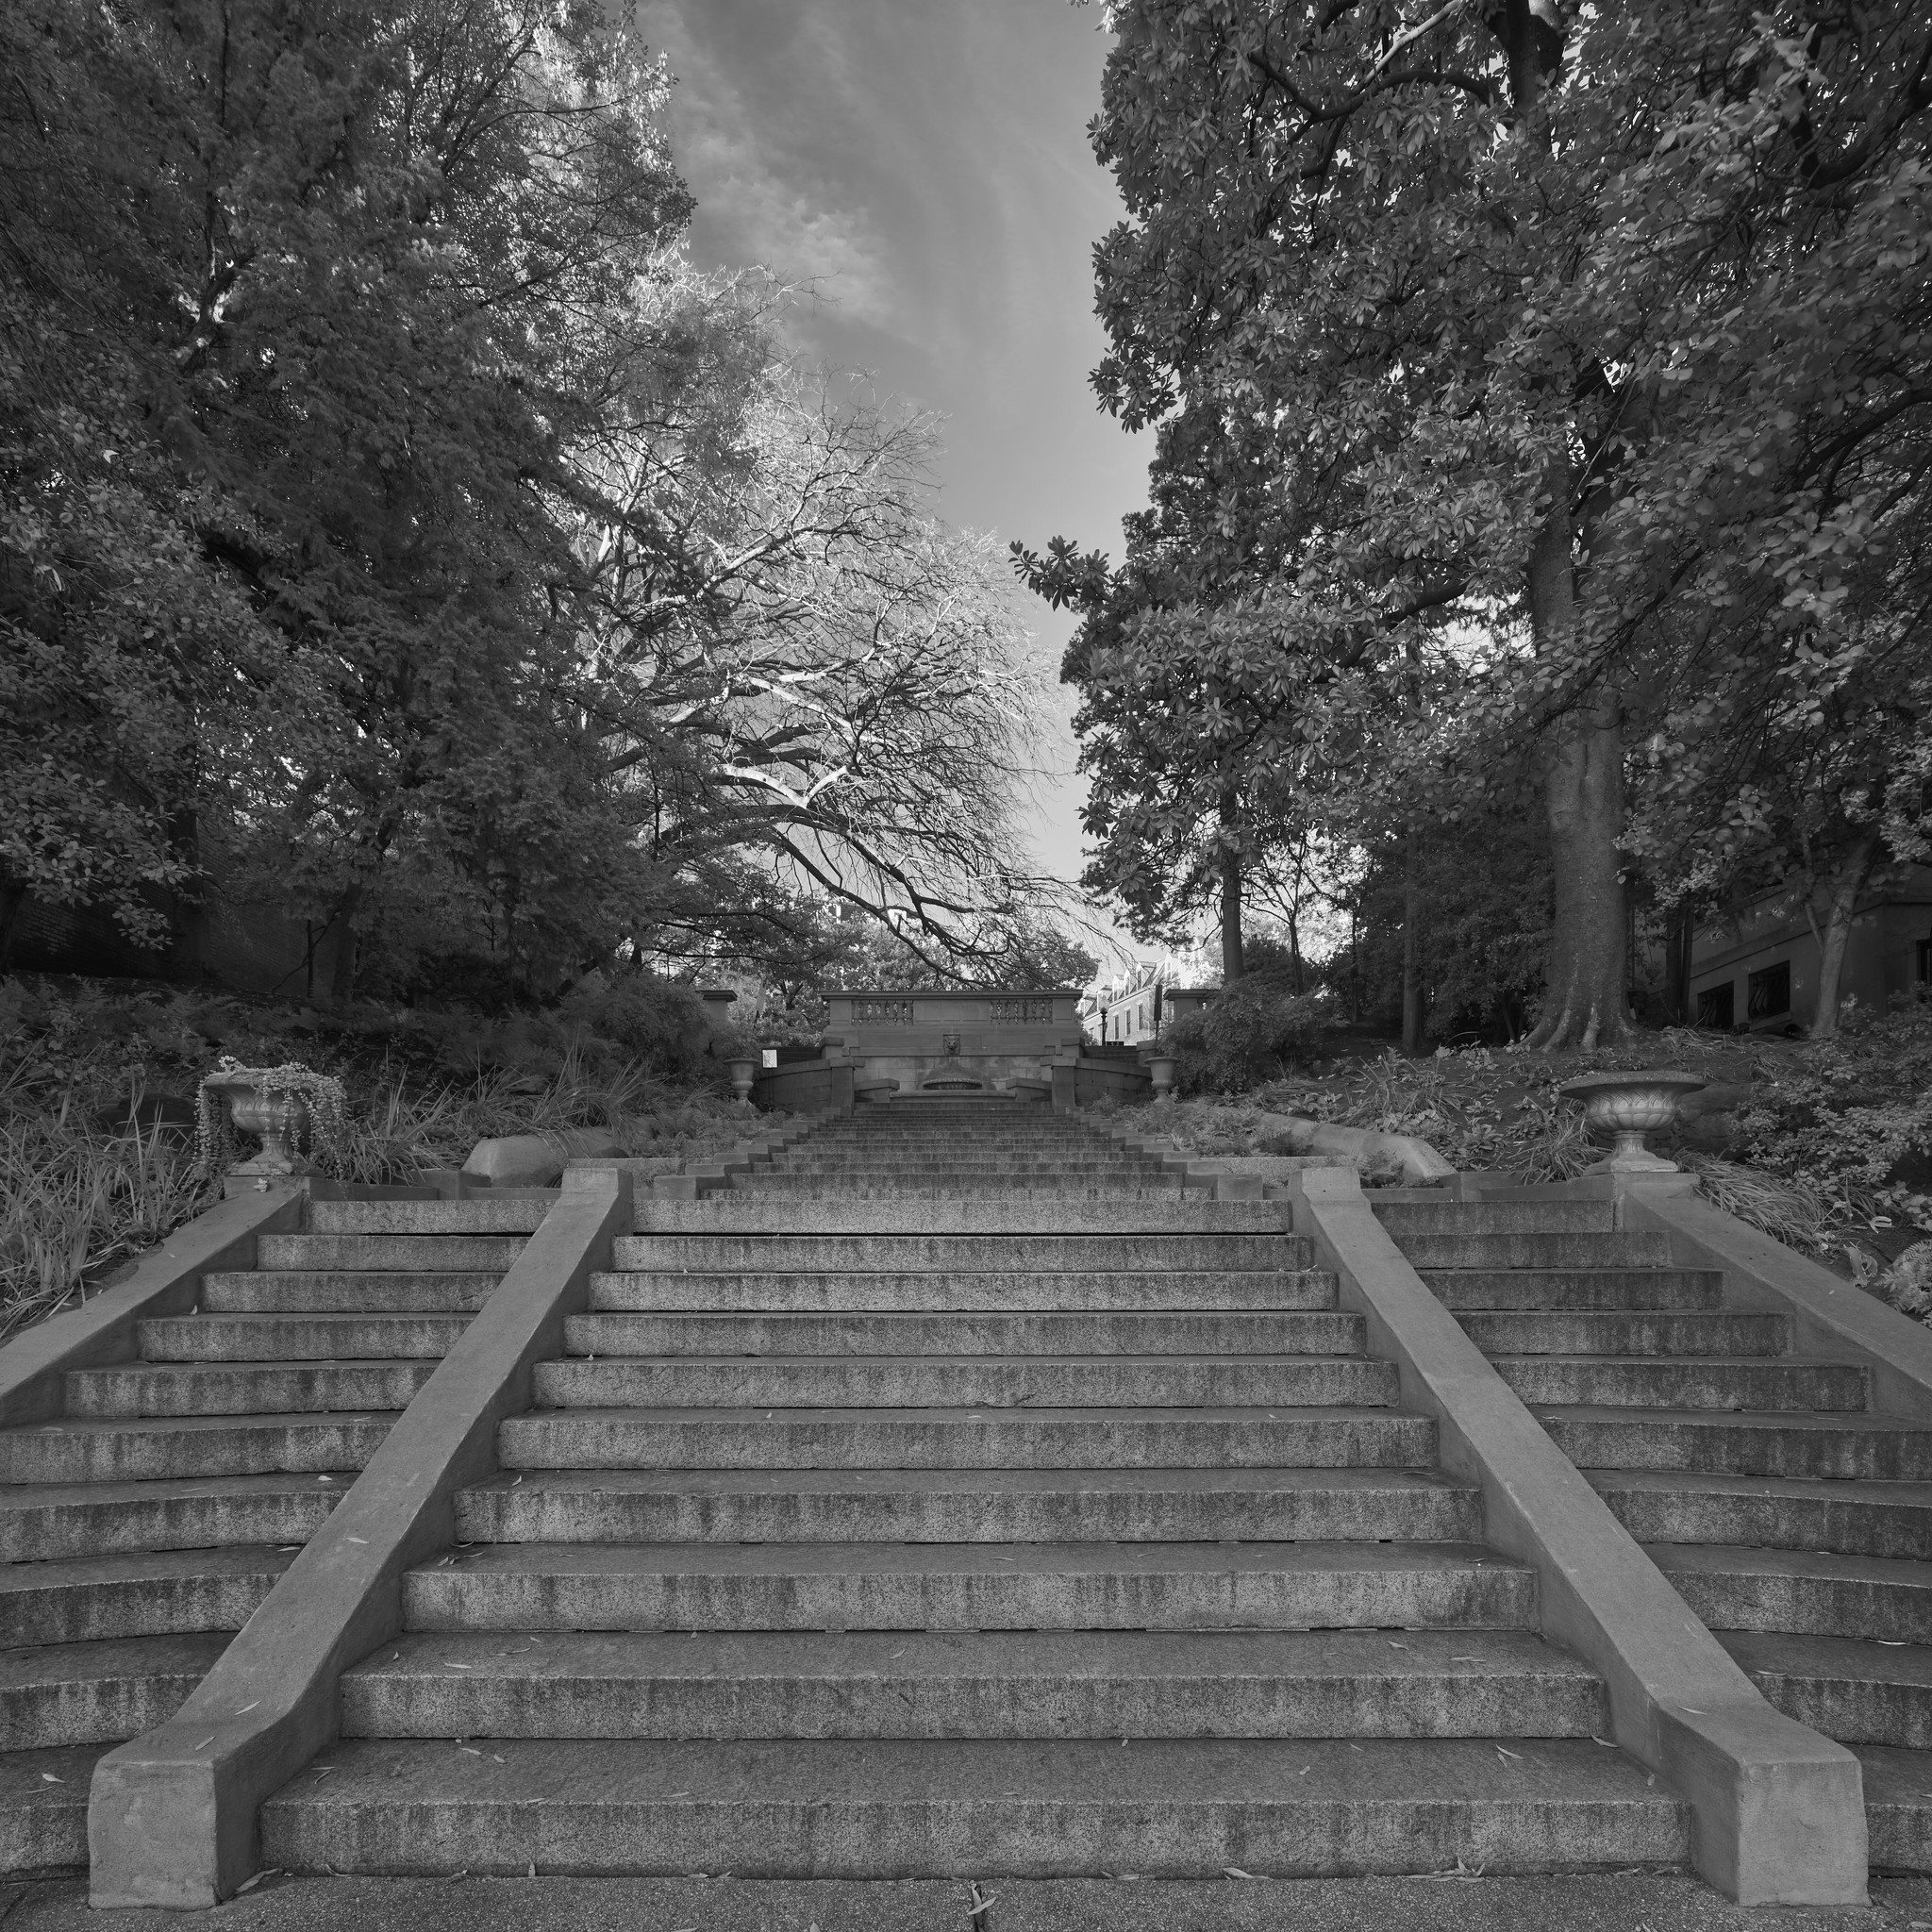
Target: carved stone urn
[(1161, 1066), (1630, 1106), (280, 1118), (744, 1072)]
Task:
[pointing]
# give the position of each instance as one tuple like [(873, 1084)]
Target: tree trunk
[(1412, 964), (1232, 966), (1677, 951), (1585, 1003), (341, 979), (1838, 932)]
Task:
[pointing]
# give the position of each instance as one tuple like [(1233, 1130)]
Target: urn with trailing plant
[(289, 1108)]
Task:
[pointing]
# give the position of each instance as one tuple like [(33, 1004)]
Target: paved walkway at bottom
[(1632, 1903)]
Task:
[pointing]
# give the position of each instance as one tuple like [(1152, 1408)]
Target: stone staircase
[(140, 1531), (960, 1494), (1794, 1520)]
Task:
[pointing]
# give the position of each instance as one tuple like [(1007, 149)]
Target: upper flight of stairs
[(1796, 1521), (895, 1512), (140, 1531)]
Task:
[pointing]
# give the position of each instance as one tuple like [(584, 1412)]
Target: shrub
[(1252, 1031)]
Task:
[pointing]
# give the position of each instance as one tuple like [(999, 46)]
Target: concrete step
[(309, 1338), (946, 1382), (346, 1292), (1014, 1684), (1865, 1448), (1405, 1218), (99, 1693), (1853, 1690), (995, 1252), (885, 1438), (969, 1189), (881, 1808), (1813, 1592), (1075, 1157), (43, 1810), (1594, 1332), (1857, 1519), (1554, 1288), (944, 1505), (513, 1213), (405, 1254), (1694, 1382), (1193, 1332), (1546, 1250), (883, 1291), (45, 1521), (996, 1215), (147, 1593), (1898, 1807), (872, 1586), (128, 1449), (210, 1388)]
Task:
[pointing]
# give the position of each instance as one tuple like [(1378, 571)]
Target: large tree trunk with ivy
[(1411, 957), (1585, 1003)]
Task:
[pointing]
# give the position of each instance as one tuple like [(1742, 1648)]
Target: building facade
[(1758, 972)]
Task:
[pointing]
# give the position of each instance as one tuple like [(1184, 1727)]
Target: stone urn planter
[(1629, 1106), (1161, 1066), (266, 1102), (744, 1072)]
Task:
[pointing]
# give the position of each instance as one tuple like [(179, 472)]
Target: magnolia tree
[(1549, 356)]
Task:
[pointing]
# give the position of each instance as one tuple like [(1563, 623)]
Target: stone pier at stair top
[(957, 1042)]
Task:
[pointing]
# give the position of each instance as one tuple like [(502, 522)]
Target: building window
[(1771, 992), (1716, 1007)]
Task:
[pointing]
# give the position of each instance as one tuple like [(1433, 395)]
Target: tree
[(1479, 276)]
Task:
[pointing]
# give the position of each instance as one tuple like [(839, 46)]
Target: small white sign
[(769, 1055)]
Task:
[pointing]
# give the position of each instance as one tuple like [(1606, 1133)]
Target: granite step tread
[(345, 1292), (1787, 1443), (1540, 1251), (137, 1593), (997, 1215), (983, 1807), (202, 1389), (1065, 1291), (1635, 1335), (963, 1332), (44, 1798), (964, 1439), (103, 1691), (1816, 1592), (967, 1505), (895, 1382), (1695, 1382), (1878, 1518), (122, 1448), (968, 1586), (1852, 1688), (1579, 1289), (972, 1683), (42, 1522), (303, 1337), (997, 1249), (503, 1214), (1403, 1218), (406, 1254)]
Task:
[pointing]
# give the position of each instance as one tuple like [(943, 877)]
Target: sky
[(926, 163)]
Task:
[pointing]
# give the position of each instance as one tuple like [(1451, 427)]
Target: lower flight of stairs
[(140, 1531), (844, 1544), (1796, 1521)]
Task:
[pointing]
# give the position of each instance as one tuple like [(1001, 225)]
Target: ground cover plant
[(97, 1083), (1824, 1145)]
